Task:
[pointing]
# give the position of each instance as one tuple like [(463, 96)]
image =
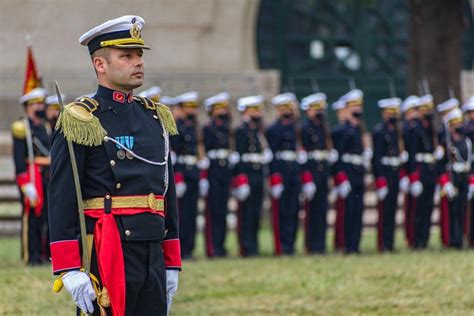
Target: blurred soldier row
[(300, 158)]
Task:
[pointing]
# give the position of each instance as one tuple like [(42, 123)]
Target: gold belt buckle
[(152, 201)]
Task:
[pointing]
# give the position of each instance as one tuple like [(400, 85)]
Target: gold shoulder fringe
[(19, 129), (166, 118), (80, 126)]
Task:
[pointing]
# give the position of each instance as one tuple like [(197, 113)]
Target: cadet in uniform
[(31, 144), (410, 183), (317, 142), (122, 156), (455, 169), (216, 180), (248, 180), (468, 109), (389, 156), (52, 109), (422, 171), (351, 168), (185, 146), (284, 173)]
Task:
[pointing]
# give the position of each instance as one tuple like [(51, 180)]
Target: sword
[(80, 205)]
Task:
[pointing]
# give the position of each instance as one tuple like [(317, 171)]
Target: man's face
[(52, 113), (470, 115), (124, 69)]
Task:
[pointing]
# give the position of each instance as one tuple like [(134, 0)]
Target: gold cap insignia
[(135, 31)]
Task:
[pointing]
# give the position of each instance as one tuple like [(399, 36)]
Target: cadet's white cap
[(122, 32), (35, 95), (284, 98), (409, 103), (250, 101), (317, 99), (338, 105), (353, 96), (453, 116), (188, 97), (220, 98), (392, 103), (448, 105), (54, 100), (167, 100), (153, 92), (427, 99), (469, 104)]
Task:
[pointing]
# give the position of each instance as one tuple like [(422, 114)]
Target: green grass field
[(431, 282)]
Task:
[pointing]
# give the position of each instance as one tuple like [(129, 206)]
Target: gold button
[(107, 196), (118, 185), (112, 163), (127, 232)]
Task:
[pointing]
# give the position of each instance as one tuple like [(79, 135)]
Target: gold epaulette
[(19, 129), (79, 125), (163, 112)]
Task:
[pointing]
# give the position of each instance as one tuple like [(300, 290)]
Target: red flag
[(32, 78)]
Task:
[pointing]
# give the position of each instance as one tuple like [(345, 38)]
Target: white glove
[(203, 164), (416, 188), (173, 158), (203, 187), (242, 192), (172, 277), (30, 191), (302, 157), (276, 191), (234, 158), (366, 157), (404, 156), (344, 189), (450, 190), (404, 184), (79, 285), (470, 191), (309, 189), (333, 156), (180, 189), (267, 156), (439, 152), (382, 193)]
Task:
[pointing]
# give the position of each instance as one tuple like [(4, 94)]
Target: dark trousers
[(145, 279), (353, 218), (457, 211), (316, 214), (288, 209), (387, 215), (31, 238), (46, 252), (216, 220), (188, 206), (423, 211), (249, 216)]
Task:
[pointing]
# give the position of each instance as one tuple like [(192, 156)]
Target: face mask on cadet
[(256, 120), (41, 114), (357, 115), (459, 130), (393, 120), (223, 117)]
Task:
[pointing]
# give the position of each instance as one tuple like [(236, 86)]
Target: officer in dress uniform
[(249, 172), (185, 146), (31, 144), (317, 142), (121, 149), (468, 109), (350, 169), (389, 156), (284, 173), (215, 181), (424, 152), (53, 107)]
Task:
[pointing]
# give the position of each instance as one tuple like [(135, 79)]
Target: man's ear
[(100, 64)]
